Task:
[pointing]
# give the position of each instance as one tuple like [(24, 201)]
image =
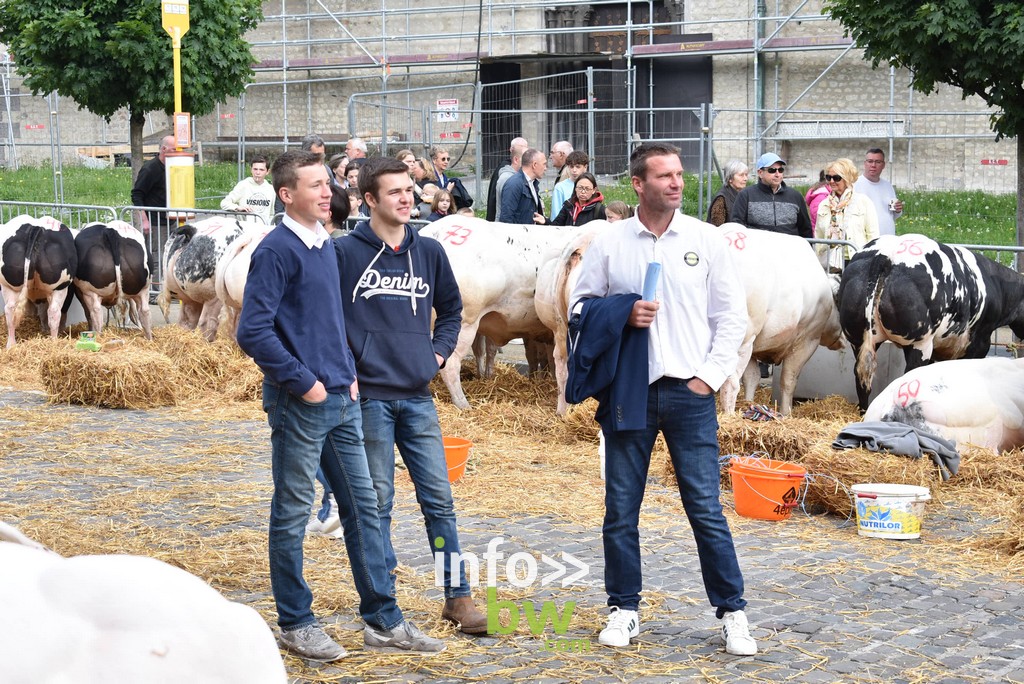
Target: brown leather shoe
[(462, 612)]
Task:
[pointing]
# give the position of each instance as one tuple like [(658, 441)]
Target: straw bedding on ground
[(202, 511)]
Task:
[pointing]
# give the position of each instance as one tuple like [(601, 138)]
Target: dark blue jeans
[(303, 435), (412, 424), (688, 422)]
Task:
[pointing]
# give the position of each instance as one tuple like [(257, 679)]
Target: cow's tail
[(867, 359), (113, 240), (33, 243)]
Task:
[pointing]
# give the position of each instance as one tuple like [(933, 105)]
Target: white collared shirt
[(309, 238), (700, 326)]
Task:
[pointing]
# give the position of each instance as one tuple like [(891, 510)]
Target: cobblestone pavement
[(825, 604)]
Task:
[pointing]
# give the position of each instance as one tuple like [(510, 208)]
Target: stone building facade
[(392, 77)]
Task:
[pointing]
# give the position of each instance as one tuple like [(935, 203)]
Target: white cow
[(38, 262), (113, 271), (233, 269), (555, 281), (790, 306), (190, 263), (122, 619), (496, 266), (975, 401)]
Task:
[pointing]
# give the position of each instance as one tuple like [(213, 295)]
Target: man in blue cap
[(770, 205)]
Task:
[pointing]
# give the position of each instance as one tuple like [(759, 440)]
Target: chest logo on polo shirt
[(691, 259)]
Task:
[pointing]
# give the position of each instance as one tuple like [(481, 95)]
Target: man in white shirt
[(696, 322), (880, 191), (254, 195)]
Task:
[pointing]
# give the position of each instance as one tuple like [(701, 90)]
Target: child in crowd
[(617, 211), (441, 205)]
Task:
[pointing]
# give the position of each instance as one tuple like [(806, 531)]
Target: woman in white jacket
[(844, 215)]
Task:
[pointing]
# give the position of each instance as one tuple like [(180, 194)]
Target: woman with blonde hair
[(844, 215)]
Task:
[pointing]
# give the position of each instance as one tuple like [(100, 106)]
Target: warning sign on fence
[(448, 110)]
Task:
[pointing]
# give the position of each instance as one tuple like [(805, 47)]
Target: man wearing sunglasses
[(770, 204)]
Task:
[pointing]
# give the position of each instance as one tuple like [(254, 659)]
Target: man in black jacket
[(770, 204), (150, 190)]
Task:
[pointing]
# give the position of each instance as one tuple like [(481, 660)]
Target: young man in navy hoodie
[(291, 325), (391, 280)]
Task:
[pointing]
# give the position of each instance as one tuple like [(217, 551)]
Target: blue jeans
[(688, 422), (303, 435), (412, 424)]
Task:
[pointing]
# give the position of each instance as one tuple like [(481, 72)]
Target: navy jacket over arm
[(608, 361)]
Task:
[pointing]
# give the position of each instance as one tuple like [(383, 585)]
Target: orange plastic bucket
[(456, 453), (764, 488)]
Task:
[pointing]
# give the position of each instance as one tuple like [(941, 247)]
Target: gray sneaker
[(405, 636), (311, 642)]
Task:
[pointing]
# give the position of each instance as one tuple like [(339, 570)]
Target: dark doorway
[(501, 119), (679, 84)]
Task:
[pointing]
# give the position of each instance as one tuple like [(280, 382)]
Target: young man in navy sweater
[(291, 325), (392, 280)]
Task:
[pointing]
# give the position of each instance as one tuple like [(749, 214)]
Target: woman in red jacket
[(585, 205)]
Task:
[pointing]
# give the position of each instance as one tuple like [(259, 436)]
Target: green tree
[(111, 54), (975, 45)]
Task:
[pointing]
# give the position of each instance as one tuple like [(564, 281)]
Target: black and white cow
[(112, 271), (936, 301), (190, 264), (37, 264)]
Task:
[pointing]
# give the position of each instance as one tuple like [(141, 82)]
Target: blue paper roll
[(651, 281)]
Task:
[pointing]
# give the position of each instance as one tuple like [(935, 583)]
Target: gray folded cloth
[(902, 439)]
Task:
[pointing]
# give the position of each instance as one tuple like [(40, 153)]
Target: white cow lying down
[(975, 401), (99, 619)]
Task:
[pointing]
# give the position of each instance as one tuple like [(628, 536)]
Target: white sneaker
[(622, 626), (331, 527), (736, 634)]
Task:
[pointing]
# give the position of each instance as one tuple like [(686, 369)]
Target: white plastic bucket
[(890, 511)]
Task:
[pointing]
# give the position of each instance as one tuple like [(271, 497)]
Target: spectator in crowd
[(291, 325), (465, 211), (150, 190), (337, 164), (355, 148), (577, 162), (253, 195), (847, 214), (517, 145), (352, 174), (559, 153), (683, 343), (736, 174), (770, 204), (880, 191), (506, 173), (586, 204), (440, 159), (427, 199), (407, 157), (520, 198), (335, 227), (398, 352), (617, 211), (816, 194), (441, 206)]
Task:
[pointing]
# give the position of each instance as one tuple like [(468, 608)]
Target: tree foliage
[(110, 54), (975, 45)]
